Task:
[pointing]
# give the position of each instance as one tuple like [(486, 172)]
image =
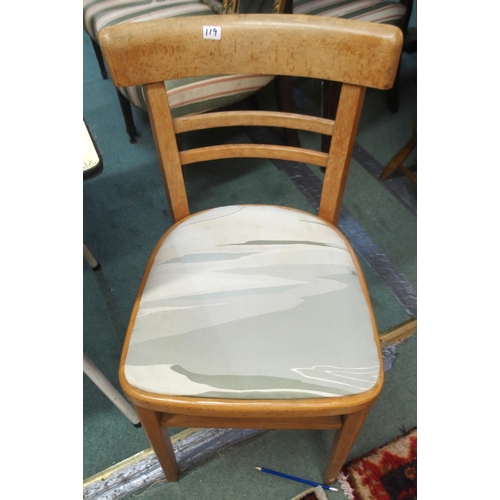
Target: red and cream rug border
[(361, 479)]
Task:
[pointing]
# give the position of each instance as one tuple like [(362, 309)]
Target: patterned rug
[(387, 473)]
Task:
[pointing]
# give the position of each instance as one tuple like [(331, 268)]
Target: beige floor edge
[(138, 457)]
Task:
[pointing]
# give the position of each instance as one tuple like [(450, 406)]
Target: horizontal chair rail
[(253, 151), (276, 409), (254, 118), (167, 420)]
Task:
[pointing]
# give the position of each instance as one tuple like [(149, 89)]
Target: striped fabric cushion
[(201, 94), (97, 14), (195, 95), (253, 301), (377, 11)]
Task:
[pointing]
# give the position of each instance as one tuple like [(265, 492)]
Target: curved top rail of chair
[(341, 48)]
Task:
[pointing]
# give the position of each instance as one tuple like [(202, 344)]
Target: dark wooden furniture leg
[(330, 94), (100, 60), (393, 94), (128, 117), (283, 89)]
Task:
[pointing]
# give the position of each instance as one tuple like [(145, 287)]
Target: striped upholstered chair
[(395, 12), (190, 96)]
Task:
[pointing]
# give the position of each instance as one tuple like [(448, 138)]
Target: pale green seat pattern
[(196, 95), (377, 11), (253, 301)]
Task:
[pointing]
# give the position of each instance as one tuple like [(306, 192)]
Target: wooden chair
[(253, 316)]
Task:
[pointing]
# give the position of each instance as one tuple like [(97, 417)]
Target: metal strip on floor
[(144, 469)]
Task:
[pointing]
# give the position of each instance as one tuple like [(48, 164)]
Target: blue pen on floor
[(293, 478)]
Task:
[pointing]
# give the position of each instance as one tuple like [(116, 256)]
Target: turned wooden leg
[(100, 60), (162, 447), (128, 117), (342, 443)]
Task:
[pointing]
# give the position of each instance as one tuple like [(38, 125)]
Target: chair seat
[(235, 309)]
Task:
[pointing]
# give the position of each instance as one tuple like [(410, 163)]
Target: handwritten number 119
[(212, 32)]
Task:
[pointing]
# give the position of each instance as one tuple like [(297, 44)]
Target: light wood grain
[(359, 53), (343, 441), (272, 151), (166, 146), (254, 118), (163, 447), (332, 422)]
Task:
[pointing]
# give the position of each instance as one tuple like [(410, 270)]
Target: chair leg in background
[(162, 446), (90, 259), (128, 117), (398, 159), (100, 60), (330, 95), (343, 441), (109, 390), (393, 94), (283, 89)]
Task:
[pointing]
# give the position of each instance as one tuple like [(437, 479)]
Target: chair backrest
[(358, 54)]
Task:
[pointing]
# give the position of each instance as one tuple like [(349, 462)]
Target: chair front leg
[(162, 446), (343, 441)]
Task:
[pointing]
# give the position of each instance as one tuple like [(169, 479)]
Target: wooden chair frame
[(356, 53)]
